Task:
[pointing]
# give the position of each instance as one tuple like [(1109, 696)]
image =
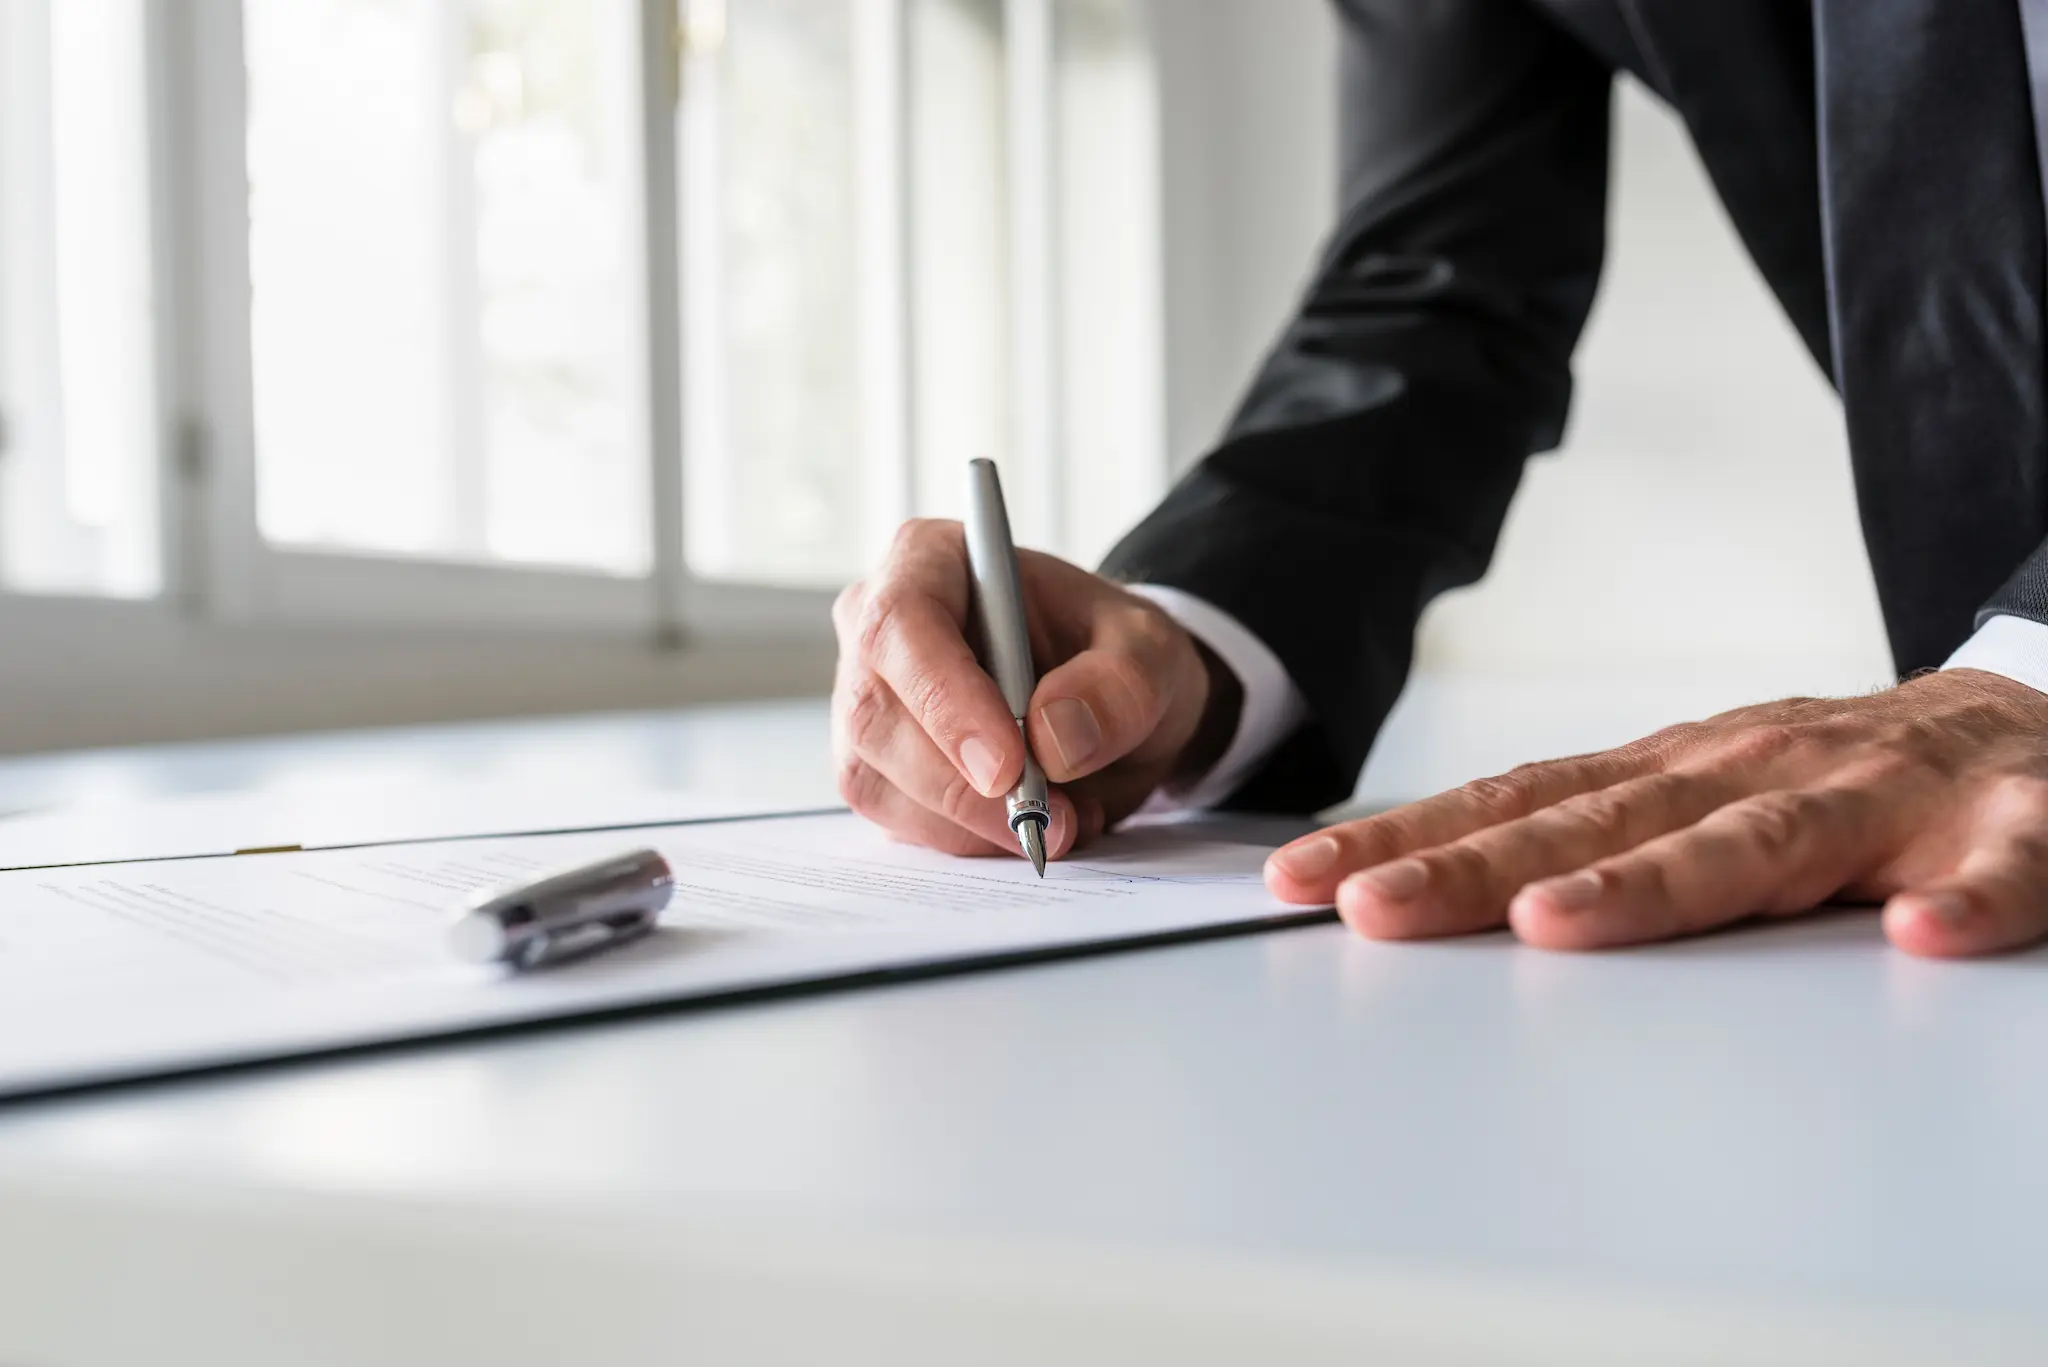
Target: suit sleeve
[(1372, 462)]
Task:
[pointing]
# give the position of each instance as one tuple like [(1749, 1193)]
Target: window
[(444, 203), (936, 221), (78, 463), (650, 314)]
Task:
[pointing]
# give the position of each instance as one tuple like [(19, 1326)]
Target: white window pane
[(446, 272), (959, 261), (345, 149), (773, 420), (1002, 238), (559, 245), (1109, 302), (78, 491)]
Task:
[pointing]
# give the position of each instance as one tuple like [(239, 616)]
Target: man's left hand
[(1931, 797)]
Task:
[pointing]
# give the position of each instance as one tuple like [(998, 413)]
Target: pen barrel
[(998, 590)]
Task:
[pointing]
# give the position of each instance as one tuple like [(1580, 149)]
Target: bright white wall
[(1248, 145), (1693, 546)]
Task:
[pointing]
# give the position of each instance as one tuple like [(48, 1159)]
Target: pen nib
[(1031, 835)]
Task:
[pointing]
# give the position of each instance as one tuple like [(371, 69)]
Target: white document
[(129, 970)]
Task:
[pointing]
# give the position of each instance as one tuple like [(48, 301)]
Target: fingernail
[(1944, 907), (1398, 881), (984, 765), (1309, 860), (1573, 892), (1075, 732)]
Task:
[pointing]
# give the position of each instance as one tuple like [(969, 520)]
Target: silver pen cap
[(560, 915)]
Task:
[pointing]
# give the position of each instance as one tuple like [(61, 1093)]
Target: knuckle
[(1835, 733), (881, 612), (1759, 745), (1916, 736), (1143, 698), (959, 803), (1892, 773), (846, 607), (860, 786), (1504, 795), (913, 532), (1457, 866), (1775, 823), (1675, 790), (1683, 796), (931, 696), (1606, 811), (866, 709), (1768, 740), (1373, 840), (1151, 631), (919, 537)]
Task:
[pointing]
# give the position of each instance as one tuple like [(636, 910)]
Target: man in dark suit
[(1883, 162)]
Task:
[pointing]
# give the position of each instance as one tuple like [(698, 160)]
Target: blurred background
[(402, 360)]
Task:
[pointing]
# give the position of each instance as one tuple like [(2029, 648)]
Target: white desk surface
[(1778, 1145)]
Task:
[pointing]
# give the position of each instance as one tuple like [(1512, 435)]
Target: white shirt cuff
[(2012, 647), (1273, 706)]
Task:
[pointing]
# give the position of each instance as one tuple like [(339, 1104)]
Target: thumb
[(1107, 703)]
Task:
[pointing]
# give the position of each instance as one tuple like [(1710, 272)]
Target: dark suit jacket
[(1879, 161)]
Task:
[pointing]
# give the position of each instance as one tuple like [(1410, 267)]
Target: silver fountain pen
[(1006, 642)]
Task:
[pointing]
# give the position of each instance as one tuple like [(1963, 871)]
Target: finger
[(908, 627), (1996, 900), (1466, 885), (1107, 702), (1090, 820), (1308, 870), (1114, 793), (865, 790), (1773, 853), (873, 727)]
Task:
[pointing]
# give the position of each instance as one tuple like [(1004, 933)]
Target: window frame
[(216, 567), (228, 566)]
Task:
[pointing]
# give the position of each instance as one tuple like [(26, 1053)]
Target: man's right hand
[(925, 744)]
